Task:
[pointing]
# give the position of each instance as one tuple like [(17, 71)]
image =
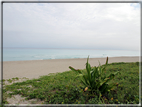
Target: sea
[(22, 54)]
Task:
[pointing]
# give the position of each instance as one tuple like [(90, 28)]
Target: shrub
[(94, 80)]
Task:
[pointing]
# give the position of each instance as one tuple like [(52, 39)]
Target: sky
[(110, 26)]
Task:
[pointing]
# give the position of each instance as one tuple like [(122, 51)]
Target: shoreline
[(36, 68), (72, 58)]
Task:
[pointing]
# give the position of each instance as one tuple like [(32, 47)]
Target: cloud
[(72, 25)]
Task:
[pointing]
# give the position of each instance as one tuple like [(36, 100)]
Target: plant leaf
[(99, 63), (78, 76), (88, 68), (73, 69), (83, 82), (106, 61), (105, 64), (85, 79)]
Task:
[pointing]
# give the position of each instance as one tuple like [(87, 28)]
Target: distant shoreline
[(35, 68), (72, 58), (65, 48)]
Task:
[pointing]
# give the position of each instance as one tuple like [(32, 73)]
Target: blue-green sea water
[(20, 54)]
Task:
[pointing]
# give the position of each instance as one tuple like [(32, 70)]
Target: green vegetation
[(95, 81), (61, 88)]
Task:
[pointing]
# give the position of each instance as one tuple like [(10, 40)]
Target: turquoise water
[(12, 54)]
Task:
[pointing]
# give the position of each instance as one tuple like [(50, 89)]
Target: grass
[(60, 88)]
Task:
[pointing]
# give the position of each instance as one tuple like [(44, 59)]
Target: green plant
[(9, 80), (95, 80)]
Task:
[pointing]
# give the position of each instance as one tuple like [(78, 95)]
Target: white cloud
[(66, 25)]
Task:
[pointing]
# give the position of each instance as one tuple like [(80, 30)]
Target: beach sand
[(36, 68)]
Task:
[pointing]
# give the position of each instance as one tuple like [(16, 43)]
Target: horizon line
[(64, 48)]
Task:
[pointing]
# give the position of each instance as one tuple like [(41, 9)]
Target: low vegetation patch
[(61, 88)]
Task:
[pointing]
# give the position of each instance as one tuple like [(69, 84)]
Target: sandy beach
[(35, 69)]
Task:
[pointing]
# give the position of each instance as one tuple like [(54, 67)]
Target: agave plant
[(94, 80)]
